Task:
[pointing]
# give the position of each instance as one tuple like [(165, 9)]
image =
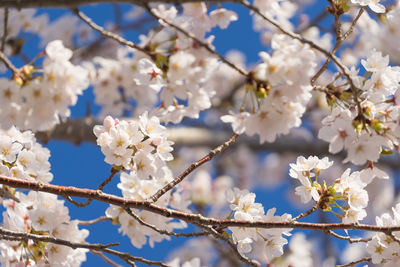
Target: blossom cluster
[(20, 21), (350, 187), (36, 102), (181, 71), (244, 207), (22, 157), (280, 93), (142, 148), (117, 82), (133, 187), (24, 22), (281, 11), (384, 249), (41, 214), (364, 133), (34, 213), (376, 34), (373, 4), (175, 76), (139, 146)]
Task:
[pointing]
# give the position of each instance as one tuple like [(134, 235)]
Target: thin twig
[(100, 219), (105, 258), (355, 262), (95, 44), (161, 231), (192, 167), (395, 239), (308, 212), (198, 41), (348, 238), (55, 240), (298, 37), (108, 34), (225, 254), (233, 247), (8, 63), (74, 245), (339, 39), (325, 65), (336, 14), (99, 188), (353, 23), (5, 32)]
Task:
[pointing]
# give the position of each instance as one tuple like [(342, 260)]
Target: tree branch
[(161, 231), (188, 217), (106, 259), (80, 130), (99, 188), (348, 238), (5, 26), (8, 63), (108, 34), (222, 237), (5, 233), (311, 210), (192, 167), (55, 240), (100, 219), (298, 37), (355, 262)]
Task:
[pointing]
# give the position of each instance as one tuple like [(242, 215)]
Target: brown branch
[(5, 26), (353, 24), (222, 237), (298, 37), (311, 210), (105, 258), (336, 14), (348, 238), (198, 41), (74, 245), (75, 3), (108, 34), (339, 39), (188, 217), (395, 239), (224, 253), (325, 65), (8, 63), (90, 50), (78, 130), (355, 262), (192, 167), (100, 219), (55, 240), (99, 188), (161, 231)]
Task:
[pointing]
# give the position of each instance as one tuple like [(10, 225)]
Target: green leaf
[(386, 152)]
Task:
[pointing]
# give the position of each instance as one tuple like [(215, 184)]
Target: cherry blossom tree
[(190, 134)]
